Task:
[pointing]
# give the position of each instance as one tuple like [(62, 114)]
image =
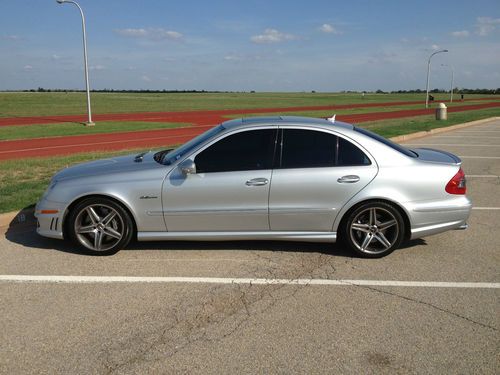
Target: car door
[(230, 189), (316, 174)]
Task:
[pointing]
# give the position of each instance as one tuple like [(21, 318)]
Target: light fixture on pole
[(86, 68), (452, 76), (428, 73)]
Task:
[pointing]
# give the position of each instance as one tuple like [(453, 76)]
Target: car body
[(265, 178)]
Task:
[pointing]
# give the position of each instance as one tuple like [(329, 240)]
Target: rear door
[(317, 173)]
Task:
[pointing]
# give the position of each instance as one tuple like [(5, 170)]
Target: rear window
[(387, 142)]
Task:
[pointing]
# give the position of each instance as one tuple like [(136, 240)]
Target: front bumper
[(50, 218)]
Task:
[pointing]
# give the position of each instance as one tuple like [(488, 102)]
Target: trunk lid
[(437, 156)]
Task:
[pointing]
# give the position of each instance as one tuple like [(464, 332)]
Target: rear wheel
[(100, 226), (374, 229)]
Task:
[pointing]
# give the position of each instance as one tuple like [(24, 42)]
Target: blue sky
[(250, 45)]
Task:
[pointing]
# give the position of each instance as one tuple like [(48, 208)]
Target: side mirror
[(187, 167)]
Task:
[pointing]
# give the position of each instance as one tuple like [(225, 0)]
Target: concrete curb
[(409, 137), (26, 217)]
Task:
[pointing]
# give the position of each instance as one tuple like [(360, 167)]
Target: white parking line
[(486, 208), (481, 176), (450, 144), (248, 281), (479, 157)]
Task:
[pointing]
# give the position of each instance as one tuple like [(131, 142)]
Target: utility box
[(441, 112)]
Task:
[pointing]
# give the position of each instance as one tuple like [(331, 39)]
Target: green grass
[(23, 181), (395, 127), (71, 128), (45, 104)]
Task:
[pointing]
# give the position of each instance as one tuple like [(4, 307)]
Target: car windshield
[(387, 142), (173, 156)]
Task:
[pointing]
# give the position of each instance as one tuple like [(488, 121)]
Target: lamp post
[(428, 73), (86, 68), (452, 76)]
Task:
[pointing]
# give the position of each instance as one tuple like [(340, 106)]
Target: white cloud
[(435, 47), (272, 36), (97, 67), (460, 34), (12, 37), (329, 29), (27, 68), (485, 25), (150, 33), (145, 78)]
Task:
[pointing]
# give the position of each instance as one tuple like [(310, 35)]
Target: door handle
[(349, 179), (257, 182)]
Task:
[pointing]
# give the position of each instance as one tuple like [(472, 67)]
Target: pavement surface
[(132, 327), (200, 120)]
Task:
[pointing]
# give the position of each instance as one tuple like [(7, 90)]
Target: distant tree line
[(416, 91), (441, 91)]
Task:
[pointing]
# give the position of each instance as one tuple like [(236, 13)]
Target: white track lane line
[(248, 281)]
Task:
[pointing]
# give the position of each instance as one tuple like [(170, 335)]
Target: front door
[(230, 189)]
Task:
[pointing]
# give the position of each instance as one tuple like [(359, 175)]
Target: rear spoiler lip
[(455, 158)]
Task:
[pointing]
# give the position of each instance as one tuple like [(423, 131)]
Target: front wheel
[(100, 226), (374, 229)]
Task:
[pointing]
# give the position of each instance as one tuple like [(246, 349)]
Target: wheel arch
[(397, 206), (110, 197)]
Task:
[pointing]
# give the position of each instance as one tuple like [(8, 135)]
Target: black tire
[(373, 229), (100, 226)]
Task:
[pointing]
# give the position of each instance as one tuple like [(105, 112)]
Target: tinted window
[(307, 149), (242, 151), (386, 142), (349, 154)]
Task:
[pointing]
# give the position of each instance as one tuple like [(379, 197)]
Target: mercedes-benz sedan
[(279, 178)]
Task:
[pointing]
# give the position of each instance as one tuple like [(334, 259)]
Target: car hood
[(121, 164), (436, 156)]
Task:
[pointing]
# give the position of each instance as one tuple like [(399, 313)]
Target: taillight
[(457, 184)]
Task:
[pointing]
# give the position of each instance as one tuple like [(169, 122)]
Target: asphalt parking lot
[(374, 324)]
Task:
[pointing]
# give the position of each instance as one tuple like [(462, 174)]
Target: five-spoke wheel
[(100, 226), (374, 229)]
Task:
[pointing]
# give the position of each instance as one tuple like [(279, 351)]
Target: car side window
[(349, 154), (243, 151), (307, 149), (314, 149)]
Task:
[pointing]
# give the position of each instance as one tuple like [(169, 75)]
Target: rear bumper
[(433, 217)]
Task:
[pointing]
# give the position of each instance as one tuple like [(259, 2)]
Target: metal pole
[(428, 76), (451, 87), (86, 68), (451, 92)]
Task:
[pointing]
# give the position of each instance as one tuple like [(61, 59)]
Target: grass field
[(72, 128), (22, 181), (45, 104)]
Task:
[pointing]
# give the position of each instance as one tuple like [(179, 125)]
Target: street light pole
[(428, 73), (452, 76), (86, 68)]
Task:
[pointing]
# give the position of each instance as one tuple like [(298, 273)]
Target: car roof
[(288, 120)]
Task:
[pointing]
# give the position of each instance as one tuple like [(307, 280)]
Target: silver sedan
[(278, 178)]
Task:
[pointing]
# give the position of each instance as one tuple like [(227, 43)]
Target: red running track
[(165, 137)]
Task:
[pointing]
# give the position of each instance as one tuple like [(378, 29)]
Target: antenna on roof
[(331, 119)]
